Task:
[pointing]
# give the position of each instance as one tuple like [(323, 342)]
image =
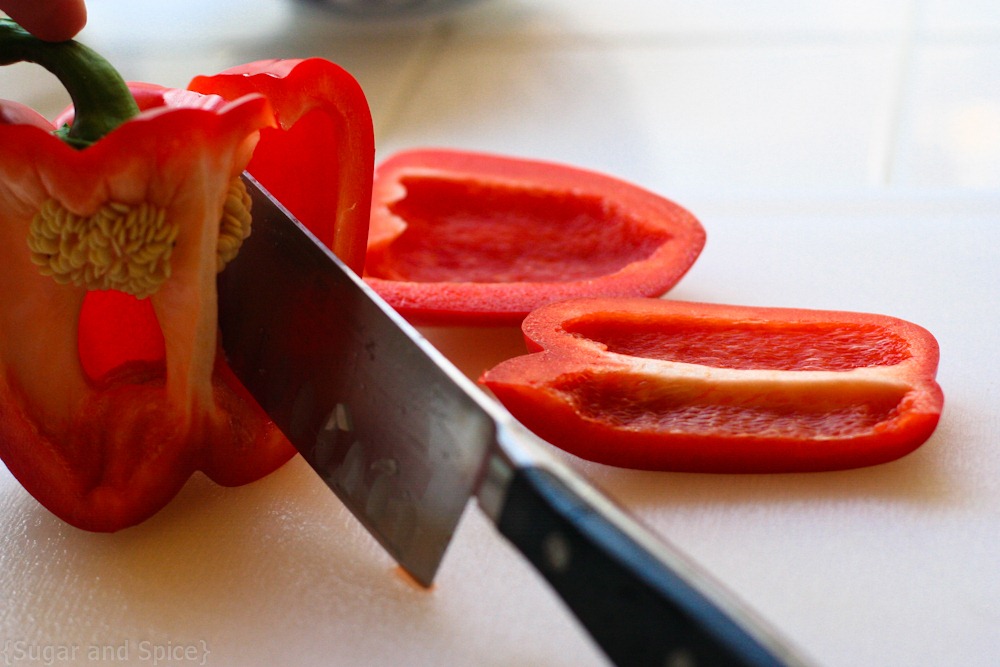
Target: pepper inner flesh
[(633, 402), (464, 231), (758, 346)]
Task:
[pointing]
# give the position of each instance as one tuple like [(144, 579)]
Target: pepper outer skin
[(676, 386), (467, 238)]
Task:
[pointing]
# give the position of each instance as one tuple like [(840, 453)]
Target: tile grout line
[(885, 154)]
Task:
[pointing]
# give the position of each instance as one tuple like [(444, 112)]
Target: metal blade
[(329, 361)]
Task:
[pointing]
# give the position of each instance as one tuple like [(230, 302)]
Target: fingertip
[(53, 21)]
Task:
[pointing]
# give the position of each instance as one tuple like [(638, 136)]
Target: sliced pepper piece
[(462, 238), (113, 390), (670, 385), (318, 161)]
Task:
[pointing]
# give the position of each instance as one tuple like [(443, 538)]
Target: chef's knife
[(405, 439)]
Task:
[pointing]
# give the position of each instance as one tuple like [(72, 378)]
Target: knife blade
[(405, 440)]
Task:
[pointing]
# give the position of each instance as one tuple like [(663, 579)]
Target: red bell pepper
[(670, 385), (319, 161), (113, 390), (468, 238)]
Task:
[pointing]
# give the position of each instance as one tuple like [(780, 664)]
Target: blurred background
[(675, 94)]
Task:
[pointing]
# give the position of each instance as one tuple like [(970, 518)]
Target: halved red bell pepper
[(468, 238), (670, 385), (113, 390)]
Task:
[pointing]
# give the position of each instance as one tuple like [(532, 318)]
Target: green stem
[(101, 99)]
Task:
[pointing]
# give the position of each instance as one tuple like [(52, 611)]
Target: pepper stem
[(101, 98)]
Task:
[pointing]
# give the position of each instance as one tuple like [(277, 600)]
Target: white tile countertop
[(841, 154)]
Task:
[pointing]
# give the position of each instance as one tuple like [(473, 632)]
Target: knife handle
[(638, 609)]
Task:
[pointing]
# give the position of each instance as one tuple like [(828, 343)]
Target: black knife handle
[(638, 610)]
